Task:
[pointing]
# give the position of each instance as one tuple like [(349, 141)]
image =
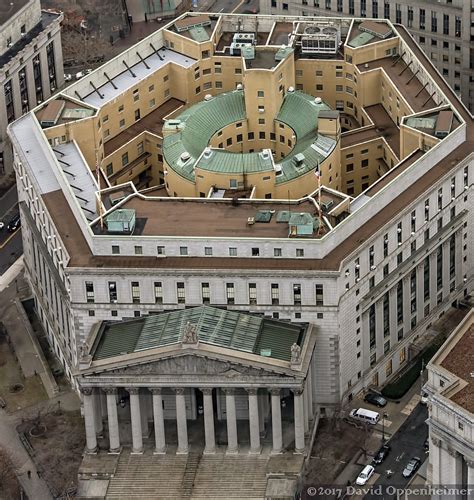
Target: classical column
[(453, 472), (232, 440), (181, 422), (470, 478), (137, 440), (98, 413), (114, 437), (253, 421), (159, 422), (435, 451), (89, 419), (276, 421), (305, 412), (309, 390), (209, 421), (299, 420), (144, 410)]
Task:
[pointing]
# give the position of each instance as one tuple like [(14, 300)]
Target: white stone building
[(451, 413), (371, 283), (31, 64)]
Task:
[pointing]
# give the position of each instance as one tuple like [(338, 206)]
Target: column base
[(232, 451), (93, 451), (256, 451), (182, 452), (211, 451), (299, 452), (161, 451), (276, 452), (137, 452), (115, 451)]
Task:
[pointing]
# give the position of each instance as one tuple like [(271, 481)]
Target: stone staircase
[(231, 477), (148, 476)]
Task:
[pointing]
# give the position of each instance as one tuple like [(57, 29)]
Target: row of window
[(205, 293)]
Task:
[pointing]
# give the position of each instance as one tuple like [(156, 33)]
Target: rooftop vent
[(277, 169), (185, 156), (291, 89), (250, 221), (207, 153), (207, 97), (318, 100), (239, 86), (266, 154)]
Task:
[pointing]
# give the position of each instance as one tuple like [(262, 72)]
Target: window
[(446, 25), (208, 251), (422, 19), (230, 293), (180, 292), (138, 250), (398, 13), (218, 84), (112, 292), (233, 251), (372, 329), (300, 252), (183, 250), (238, 71), (457, 27), (90, 291), (410, 17), (252, 293), (158, 289), (260, 93), (439, 268), (297, 294), (109, 169), (400, 302), (124, 159), (275, 291), (388, 367), (261, 135), (115, 249), (152, 103), (285, 6), (135, 292), (255, 252), (349, 167), (160, 250), (319, 295), (205, 293), (277, 252), (364, 163), (122, 123)]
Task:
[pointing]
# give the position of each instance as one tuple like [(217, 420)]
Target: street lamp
[(384, 416)]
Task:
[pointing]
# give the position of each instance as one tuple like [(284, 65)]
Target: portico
[(198, 379)]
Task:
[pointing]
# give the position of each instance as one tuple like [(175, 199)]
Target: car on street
[(67, 77), (382, 454), (375, 399), (424, 398), (83, 73), (14, 224), (411, 467), (364, 475)]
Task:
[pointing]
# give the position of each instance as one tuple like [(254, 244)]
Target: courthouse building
[(272, 188)]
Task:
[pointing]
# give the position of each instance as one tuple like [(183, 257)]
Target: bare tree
[(9, 485)]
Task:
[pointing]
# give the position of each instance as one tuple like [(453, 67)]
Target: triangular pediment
[(193, 365)]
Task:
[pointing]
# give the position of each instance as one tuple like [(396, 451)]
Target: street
[(406, 443), (11, 246)]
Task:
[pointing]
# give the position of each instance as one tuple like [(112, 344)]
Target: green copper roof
[(199, 34), (229, 329), (361, 39), (217, 160)]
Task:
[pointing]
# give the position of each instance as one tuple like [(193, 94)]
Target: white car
[(67, 77), (424, 398), (2, 224), (365, 475), (81, 74)]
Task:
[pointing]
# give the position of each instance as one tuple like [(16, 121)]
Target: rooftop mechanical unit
[(236, 48), (318, 40), (244, 38)]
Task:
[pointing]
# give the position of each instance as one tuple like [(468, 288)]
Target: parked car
[(83, 73), (375, 399), (365, 475), (365, 416), (426, 445), (424, 398), (67, 77), (411, 467), (14, 224), (382, 454)]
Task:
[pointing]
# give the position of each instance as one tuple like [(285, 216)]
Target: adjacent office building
[(231, 182), (31, 66), (443, 29), (451, 412)]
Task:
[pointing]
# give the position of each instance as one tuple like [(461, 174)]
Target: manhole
[(16, 388), (38, 430)]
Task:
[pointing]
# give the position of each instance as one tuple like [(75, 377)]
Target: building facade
[(451, 413), (442, 28), (31, 64), (370, 250)]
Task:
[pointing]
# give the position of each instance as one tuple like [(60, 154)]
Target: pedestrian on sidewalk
[(29, 474)]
